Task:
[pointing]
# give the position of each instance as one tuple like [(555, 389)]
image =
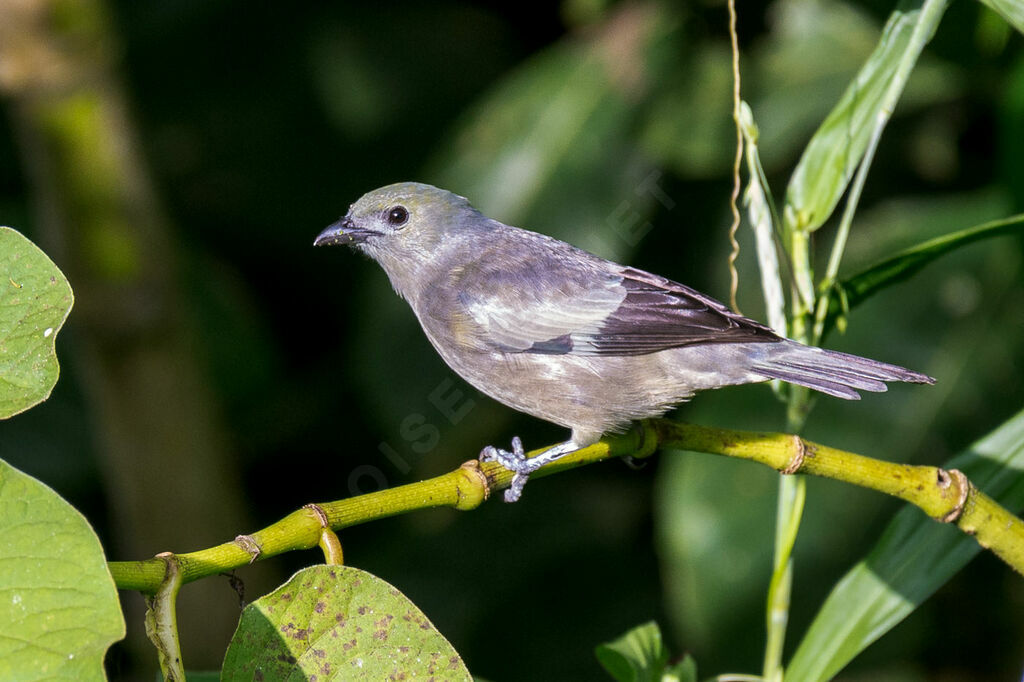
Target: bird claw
[(515, 461)]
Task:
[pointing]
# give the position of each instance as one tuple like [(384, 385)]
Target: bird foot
[(515, 461), (522, 466)]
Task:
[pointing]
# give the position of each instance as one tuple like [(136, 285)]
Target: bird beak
[(343, 232)]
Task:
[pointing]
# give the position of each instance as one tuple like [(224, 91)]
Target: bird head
[(406, 227)]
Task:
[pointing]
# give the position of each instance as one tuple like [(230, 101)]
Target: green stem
[(944, 495), (792, 494), (162, 620), (803, 290), (792, 489)]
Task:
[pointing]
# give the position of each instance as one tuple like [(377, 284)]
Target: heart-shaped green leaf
[(337, 622), (58, 606), (35, 299)]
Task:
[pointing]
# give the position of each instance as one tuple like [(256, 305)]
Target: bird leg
[(522, 466)]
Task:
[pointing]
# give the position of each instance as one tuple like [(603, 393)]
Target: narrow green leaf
[(637, 656), (1011, 10), (856, 289), (914, 557), (757, 199), (35, 299), (59, 611), (833, 154), (337, 622)]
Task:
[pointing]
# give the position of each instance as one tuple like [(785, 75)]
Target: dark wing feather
[(657, 314)]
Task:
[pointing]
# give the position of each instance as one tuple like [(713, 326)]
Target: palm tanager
[(566, 336)]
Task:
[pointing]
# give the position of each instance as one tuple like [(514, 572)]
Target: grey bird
[(564, 335)]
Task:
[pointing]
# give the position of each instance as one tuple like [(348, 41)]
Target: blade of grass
[(914, 557), (923, 29), (839, 145), (853, 291), (761, 214)]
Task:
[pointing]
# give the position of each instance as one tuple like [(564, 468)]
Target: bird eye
[(398, 216)]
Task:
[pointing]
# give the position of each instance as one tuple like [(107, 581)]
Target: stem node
[(797, 460), (472, 486), (251, 547), (955, 477)]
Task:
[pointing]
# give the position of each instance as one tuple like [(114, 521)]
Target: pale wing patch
[(547, 322)]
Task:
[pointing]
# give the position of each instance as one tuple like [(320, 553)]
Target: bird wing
[(574, 303), (657, 313)]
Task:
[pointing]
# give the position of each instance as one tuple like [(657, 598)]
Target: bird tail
[(837, 374)]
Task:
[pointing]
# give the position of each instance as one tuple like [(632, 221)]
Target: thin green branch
[(329, 543), (799, 252), (946, 496), (792, 495), (162, 619)]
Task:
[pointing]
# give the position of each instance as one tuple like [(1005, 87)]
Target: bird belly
[(588, 394)]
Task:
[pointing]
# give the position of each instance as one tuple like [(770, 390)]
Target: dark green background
[(260, 124)]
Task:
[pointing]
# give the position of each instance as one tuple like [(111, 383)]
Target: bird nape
[(564, 335)]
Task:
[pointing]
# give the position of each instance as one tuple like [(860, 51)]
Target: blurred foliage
[(606, 124)]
